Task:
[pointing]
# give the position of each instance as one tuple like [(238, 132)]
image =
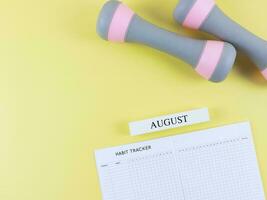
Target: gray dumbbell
[(213, 60), (206, 16)]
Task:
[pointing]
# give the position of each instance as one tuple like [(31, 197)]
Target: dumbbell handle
[(143, 32), (232, 32), (205, 15)]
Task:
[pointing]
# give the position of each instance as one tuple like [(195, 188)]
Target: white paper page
[(214, 164)]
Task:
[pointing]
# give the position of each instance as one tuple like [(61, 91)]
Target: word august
[(134, 150), (169, 122)]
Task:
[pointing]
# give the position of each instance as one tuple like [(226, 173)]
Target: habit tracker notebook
[(214, 164)]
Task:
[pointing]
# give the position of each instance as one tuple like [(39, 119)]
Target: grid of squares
[(224, 170), (221, 170)]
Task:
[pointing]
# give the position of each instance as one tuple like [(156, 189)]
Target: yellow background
[(65, 92)]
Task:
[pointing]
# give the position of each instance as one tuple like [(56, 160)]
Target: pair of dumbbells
[(213, 60)]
